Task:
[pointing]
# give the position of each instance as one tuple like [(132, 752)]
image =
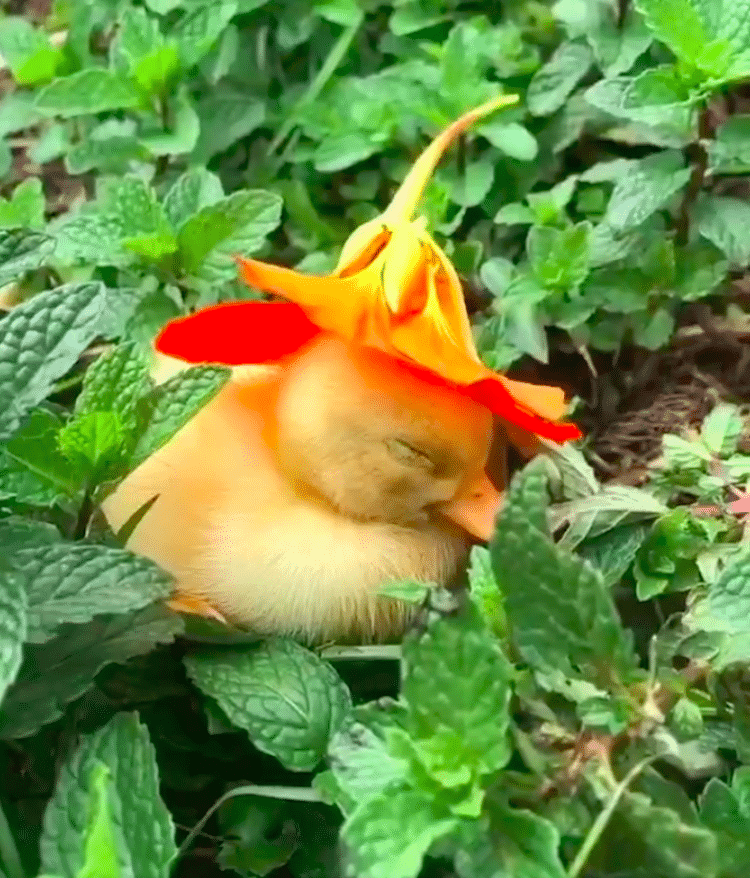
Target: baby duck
[(302, 488)]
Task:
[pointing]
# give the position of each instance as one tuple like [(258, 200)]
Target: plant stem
[(332, 61), (8, 850), (386, 652), (600, 824), (289, 794)]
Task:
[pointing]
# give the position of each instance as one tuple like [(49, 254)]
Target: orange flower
[(393, 289)]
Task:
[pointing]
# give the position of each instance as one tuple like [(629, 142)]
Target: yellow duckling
[(354, 456), (294, 495)]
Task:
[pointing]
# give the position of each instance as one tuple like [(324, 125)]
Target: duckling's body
[(300, 490)]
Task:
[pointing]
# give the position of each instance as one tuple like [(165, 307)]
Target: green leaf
[(729, 151), (564, 618), (723, 220), (93, 440), (389, 835), (671, 843), (61, 670), (34, 451), (552, 83), (656, 97), (721, 429), (559, 258), (456, 679), (115, 382), (193, 190), (143, 52), (512, 843), (678, 24), (408, 590), (197, 31), (142, 824), (342, 150), (181, 135), (287, 699), (27, 51), (613, 552), (726, 607), (362, 765), (512, 139), (39, 341), (73, 582), (648, 187), (12, 626), (726, 810), (21, 251), (226, 116), (25, 208), (94, 90), (171, 405), (102, 856), (618, 46), (125, 218), (237, 224)]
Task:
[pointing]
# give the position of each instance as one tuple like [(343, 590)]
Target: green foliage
[(144, 145)]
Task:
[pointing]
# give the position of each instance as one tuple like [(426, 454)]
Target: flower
[(393, 289)]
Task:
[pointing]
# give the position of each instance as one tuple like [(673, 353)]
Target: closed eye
[(407, 453)]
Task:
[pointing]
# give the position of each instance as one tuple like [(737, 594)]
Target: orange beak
[(474, 507)]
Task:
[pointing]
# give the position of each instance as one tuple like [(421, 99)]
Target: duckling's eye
[(406, 453)]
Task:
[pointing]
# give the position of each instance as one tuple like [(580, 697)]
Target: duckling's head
[(379, 442)]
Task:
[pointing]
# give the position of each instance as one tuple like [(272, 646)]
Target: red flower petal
[(236, 333)]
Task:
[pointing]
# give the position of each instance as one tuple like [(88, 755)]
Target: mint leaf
[(21, 251), (648, 187), (73, 582), (34, 449), (456, 680), (39, 341), (192, 191), (237, 224), (362, 765), (115, 382), (226, 116), (673, 843), (199, 29), (61, 670), (512, 842), (389, 835), (124, 219), (94, 90), (287, 699), (726, 607), (559, 258), (12, 626), (729, 151), (656, 97), (143, 824), (726, 810), (555, 80), (724, 221), (171, 405), (512, 139), (25, 208), (565, 619), (678, 25), (93, 440), (27, 51), (101, 846)]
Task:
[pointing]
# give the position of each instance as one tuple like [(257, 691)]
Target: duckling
[(303, 487)]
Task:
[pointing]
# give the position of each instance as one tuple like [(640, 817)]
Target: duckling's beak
[(474, 507)]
